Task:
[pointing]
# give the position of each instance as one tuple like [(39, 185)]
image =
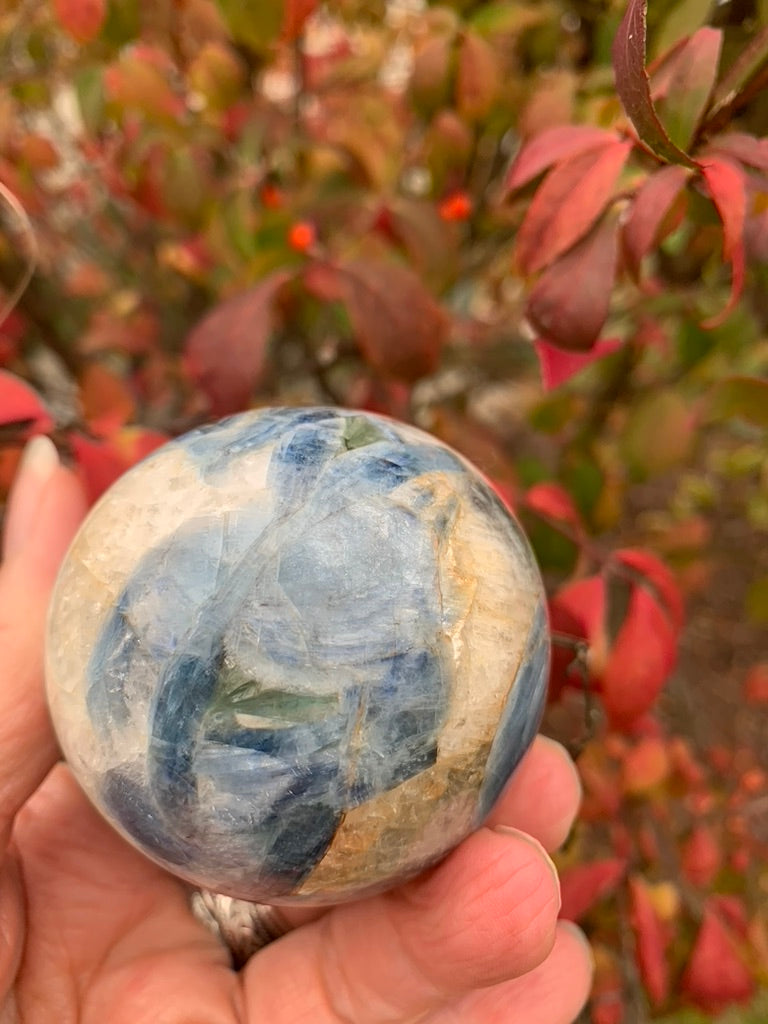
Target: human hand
[(93, 933)]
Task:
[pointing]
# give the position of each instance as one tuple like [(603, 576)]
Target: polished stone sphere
[(295, 656)]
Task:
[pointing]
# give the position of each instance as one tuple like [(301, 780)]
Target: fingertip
[(576, 958), (493, 904), (39, 461), (61, 508), (543, 796), (575, 936)]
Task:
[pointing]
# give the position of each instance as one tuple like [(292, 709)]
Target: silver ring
[(243, 927)]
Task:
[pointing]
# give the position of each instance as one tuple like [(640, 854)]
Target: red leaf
[(650, 942), (583, 885), (743, 147), (297, 13), (631, 659), (716, 975), (19, 403), (655, 576), (567, 204), (81, 19), (756, 684), (399, 326), (633, 86), (558, 366), (226, 353), (106, 399), (653, 201), (701, 856), (569, 303), (727, 187), (322, 280), (732, 912), (99, 462), (553, 146), (553, 502), (640, 662), (575, 610)]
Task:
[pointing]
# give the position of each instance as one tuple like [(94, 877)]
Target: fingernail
[(38, 464), (506, 830)]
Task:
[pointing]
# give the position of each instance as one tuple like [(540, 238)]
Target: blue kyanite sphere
[(296, 655)]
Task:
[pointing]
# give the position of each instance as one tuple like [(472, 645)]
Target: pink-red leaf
[(726, 184), (558, 366), (20, 404), (569, 303), (81, 19), (690, 85), (398, 325), (701, 856), (742, 147), (650, 942), (641, 660), (553, 146), (584, 885), (99, 463), (553, 502), (653, 201), (567, 204), (226, 353), (716, 975), (654, 576), (633, 86)]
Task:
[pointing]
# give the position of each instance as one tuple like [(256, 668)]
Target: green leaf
[(658, 434), (123, 22), (504, 18), (744, 397), (89, 88), (683, 20), (757, 601), (691, 85), (254, 23), (687, 1016)]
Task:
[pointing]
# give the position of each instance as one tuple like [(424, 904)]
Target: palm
[(96, 934)]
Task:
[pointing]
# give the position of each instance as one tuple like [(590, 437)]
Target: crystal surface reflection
[(295, 656)]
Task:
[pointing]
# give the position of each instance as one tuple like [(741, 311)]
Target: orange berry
[(302, 236), (754, 780), (456, 206)]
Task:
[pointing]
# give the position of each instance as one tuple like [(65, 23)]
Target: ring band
[(243, 927)]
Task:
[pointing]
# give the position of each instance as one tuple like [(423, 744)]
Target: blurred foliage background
[(444, 212)]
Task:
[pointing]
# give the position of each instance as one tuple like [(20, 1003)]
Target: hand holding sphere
[(107, 935)]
